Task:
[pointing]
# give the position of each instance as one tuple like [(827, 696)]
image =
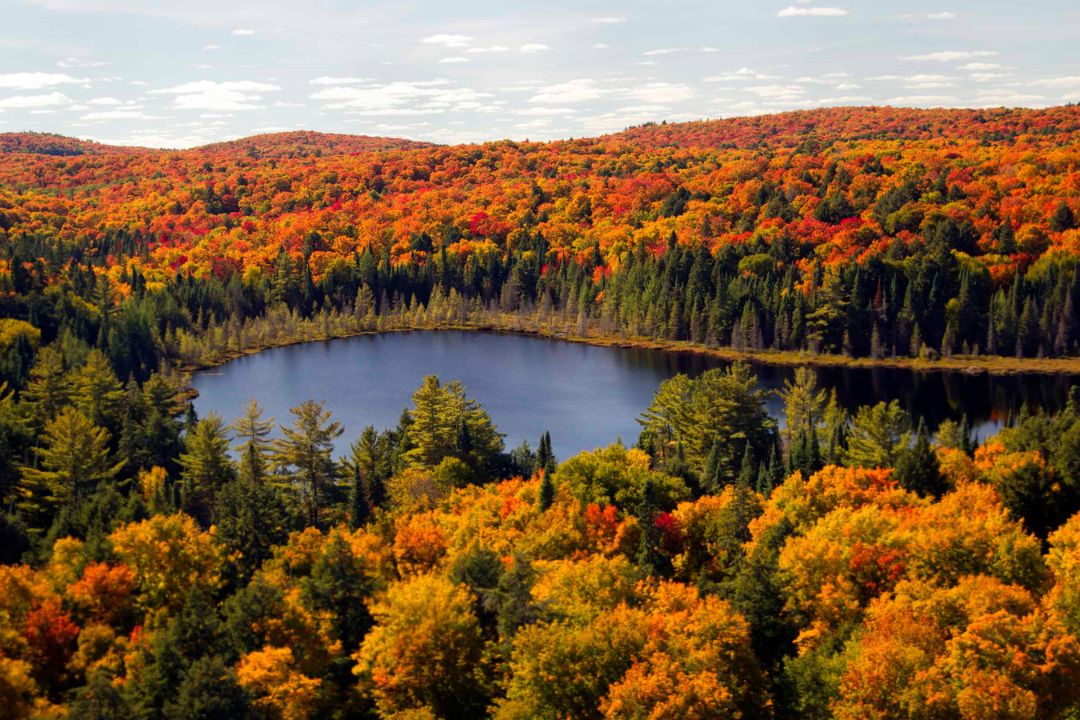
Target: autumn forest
[(829, 563)]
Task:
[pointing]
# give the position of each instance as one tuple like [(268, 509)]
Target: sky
[(189, 72)]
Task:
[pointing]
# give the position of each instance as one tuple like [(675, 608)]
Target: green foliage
[(72, 460), (877, 436), (444, 422), (617, 476), (304, 454), (721, 412), (206, 467)]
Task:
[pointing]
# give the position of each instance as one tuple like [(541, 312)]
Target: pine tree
[(547, 490), (71, 461), (206, 467), (48, 388), (917, 467), (305, 452), (253, 433), (97, 392)]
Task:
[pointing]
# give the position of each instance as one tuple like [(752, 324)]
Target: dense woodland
[(840, 565)]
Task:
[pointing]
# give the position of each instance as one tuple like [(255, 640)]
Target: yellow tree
[(170, 555), (425, 650)]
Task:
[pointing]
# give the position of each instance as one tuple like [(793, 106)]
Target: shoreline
[(971, 365)]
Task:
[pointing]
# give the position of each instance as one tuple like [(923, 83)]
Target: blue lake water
[(585, 396)]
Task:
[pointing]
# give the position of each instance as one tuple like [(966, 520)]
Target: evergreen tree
[(917, 467), (206, 467), (97, 392), (48, 389), (71, 461), (305, 453)]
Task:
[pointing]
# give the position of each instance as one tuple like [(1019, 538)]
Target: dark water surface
[(586, 396)]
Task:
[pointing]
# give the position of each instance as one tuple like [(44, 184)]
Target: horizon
[(122, 72), (645, 123)]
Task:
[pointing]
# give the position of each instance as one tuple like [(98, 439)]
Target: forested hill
[(831, 125), (866, 231)]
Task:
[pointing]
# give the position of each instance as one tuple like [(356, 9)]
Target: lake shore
[(515, 324)]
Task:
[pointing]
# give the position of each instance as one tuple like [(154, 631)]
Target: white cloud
[(103, 101), (402, 98), (609, 20), (661, 92), (489, 49), (447, 40), (923, 100), (220, 96), (601, 46), (118, 115), (1067, 81), (950, 55), (453, 60), (37, 80), (793, 11), (778, 92), (662, 51), (327, 80), (530, 48), (70, 62), (243, 32), (944, 15), (20, 102), (572, 91), (980, 66), (545, 111), (740, 74)]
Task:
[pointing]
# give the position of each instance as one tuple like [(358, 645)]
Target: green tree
[(97, 392), (304, 453), (877, 435), (804, 405), (444, 422), (721, 408), (47, 389), (206, 467), (253, 433), (917, 467), (72, 460)]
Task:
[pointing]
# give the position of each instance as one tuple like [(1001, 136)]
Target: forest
[(157, 564)]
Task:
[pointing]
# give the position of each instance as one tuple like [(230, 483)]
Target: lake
[(585, 396)]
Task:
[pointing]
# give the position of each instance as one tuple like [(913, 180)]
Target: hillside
[(870, 232), (32, 143)]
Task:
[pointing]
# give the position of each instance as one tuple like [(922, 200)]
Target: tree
[(254, 448), (47, 389), (97, 392), (72, 461), (725, 408), (367, 469), (206, 467), (444, 422), (804, 404), (425, 651), (164, 580), (278, 688), (917, 467), (305, 451), (545, 458), (878, 433)]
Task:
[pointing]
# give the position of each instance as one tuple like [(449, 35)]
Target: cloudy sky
[(187, 72)]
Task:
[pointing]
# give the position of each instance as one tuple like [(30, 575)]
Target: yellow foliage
[(170, 555), (277, 687)]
